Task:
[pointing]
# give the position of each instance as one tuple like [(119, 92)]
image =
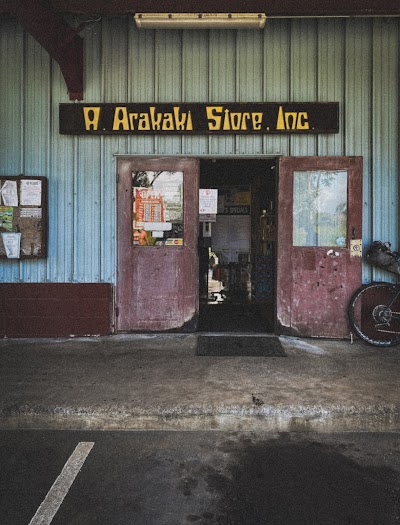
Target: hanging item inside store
[(199, 118)]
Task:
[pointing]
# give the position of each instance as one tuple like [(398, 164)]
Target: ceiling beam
[(44, 20), (59, 39), (272, 8)]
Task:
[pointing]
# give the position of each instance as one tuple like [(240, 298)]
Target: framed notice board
[(23, 217)]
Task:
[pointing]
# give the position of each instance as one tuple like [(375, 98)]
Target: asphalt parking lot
[(209, 478)]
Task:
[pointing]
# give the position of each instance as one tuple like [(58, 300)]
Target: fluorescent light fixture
[(200, 20)]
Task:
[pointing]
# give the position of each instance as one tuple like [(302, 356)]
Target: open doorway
[(237, 247)]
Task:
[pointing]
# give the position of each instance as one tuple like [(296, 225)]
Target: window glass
[(157, 208), (319, 208)]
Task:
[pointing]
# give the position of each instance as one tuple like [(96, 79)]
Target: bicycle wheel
[(374, 313)]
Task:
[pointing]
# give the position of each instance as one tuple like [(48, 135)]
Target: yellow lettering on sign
[(214, 115), (181, 118), (227, 125), (132, 118), (223, 118), (121, 119), (168, 122), (152, 120), (144, 122), (280, 123), (257, 120), (237, 122), (291, 120), (302, 121), (91, 115), (189, 121), (155, 118)]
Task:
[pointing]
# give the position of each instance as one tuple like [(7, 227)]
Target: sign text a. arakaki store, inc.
[(199, 118)]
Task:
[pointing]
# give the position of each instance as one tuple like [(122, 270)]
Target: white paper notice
[(208, 201), (159, 226), (31, 192), (9, 193), (12, 244), (31, 213)]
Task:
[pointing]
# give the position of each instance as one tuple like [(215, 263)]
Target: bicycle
[(374, 309)]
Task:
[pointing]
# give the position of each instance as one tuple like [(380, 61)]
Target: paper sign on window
[(157, 208)]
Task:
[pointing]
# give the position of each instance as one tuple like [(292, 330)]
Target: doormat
[(240, 345)]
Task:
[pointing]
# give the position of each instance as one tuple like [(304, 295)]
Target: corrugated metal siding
[(11, 62), (385, 129), (303, 77), (249, 81), (331, 78), (195, 81), (35, 114), (276, 76), (352, 61), (357, 111)]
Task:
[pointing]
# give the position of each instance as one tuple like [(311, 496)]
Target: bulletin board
[(23, 217)]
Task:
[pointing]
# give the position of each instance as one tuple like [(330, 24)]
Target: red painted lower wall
[(55, 309)]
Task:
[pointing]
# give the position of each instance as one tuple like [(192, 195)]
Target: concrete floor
[(157, 382)]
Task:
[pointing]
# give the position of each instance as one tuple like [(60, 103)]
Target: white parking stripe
[(47, 510)]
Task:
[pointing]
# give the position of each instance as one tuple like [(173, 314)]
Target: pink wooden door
[(157, 224), (319, 234)]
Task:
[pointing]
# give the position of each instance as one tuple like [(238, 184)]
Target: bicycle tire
[(372, 320)]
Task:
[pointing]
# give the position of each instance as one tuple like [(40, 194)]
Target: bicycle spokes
[(374, 313)]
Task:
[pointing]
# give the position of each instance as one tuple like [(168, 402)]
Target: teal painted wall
[(352, 61)]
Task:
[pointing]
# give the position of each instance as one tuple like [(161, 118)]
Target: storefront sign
[(198, 119)]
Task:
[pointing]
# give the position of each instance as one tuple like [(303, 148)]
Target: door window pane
[(157, 208), (319, 208)]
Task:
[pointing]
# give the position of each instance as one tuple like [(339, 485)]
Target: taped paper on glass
[(208, 201)]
